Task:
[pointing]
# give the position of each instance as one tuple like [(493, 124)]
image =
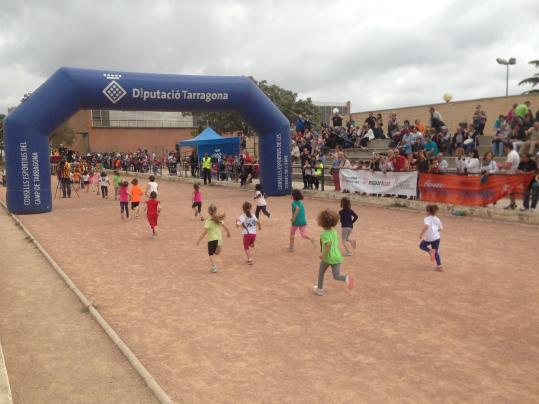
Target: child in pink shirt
[(123, 194), (197, 201)]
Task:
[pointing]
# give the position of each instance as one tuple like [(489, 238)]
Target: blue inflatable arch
[(68, 90)]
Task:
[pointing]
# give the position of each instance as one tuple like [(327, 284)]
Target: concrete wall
[(455, 112)]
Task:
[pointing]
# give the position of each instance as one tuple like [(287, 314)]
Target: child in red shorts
[(248, 222)]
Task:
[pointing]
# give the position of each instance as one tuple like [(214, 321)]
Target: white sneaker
[(318, 292)]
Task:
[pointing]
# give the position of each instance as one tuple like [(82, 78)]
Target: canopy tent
[(211, 142)]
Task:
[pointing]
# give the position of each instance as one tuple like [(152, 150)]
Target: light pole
[(511, 61)]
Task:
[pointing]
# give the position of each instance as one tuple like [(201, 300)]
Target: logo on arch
[(114, 92)]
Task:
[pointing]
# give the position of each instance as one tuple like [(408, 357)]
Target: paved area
[(258, 334), (54, 352)]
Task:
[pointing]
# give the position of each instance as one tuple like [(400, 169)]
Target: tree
[(287, 101), (533, 80), (63, 134)]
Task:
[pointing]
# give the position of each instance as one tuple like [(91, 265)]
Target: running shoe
[(214, 269), (350, 281), (318, 292)]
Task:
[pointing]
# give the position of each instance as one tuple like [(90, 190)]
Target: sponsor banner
[(471, 190), (391, 183)]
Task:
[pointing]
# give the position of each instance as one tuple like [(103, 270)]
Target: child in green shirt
[(331, 254), (212, 228), (116, 182), (298, 221)]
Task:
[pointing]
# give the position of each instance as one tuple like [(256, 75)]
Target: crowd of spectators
[(421, 147), (241, 168)]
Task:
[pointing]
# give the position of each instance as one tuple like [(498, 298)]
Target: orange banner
[(471, 190)]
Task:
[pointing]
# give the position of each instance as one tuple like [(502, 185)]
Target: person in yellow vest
[(64, 172), (318, 172), (206, 168)]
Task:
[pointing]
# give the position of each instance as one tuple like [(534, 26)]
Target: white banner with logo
[(390, 183)]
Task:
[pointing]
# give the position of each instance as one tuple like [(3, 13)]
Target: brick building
[(455, 112), (129, 130)]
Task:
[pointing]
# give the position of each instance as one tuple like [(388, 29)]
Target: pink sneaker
[(350, 281)]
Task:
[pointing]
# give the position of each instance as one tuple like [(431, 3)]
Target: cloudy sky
[(377, 54)]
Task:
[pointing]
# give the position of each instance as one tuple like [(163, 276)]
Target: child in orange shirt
[(136, 195)]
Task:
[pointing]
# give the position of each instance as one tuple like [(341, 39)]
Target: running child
[(212, 227), (348, 218), (430, 235), (96, 179), (298, 220), (136, 195), (248, 222), (104, 184), (86, 180), (331, 255), (153, 208), (116, 183), (77, 179), (261, 204), (123, 194), (197, 201), (152, 186)]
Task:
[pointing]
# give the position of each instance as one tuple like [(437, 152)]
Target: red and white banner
[(390, 183), (471, 190)]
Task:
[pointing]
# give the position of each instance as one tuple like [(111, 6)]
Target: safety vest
[(206, 162), (66, 171), (319, 169)]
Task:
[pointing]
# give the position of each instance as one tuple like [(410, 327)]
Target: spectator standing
[(510, 166), (335, 169), (206, 168), (392, 125), (305, 159), (371, 121), (436, 119), (479, 119), (336, 119), (527, 166), (300, 125), (532, 140)]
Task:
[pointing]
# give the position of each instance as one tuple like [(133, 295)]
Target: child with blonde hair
[(212, 228)]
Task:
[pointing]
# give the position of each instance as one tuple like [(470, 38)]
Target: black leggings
[(263, 209), (124, 207), (104, 191)]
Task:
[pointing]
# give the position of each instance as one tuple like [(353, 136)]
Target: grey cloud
[(386, 54)]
